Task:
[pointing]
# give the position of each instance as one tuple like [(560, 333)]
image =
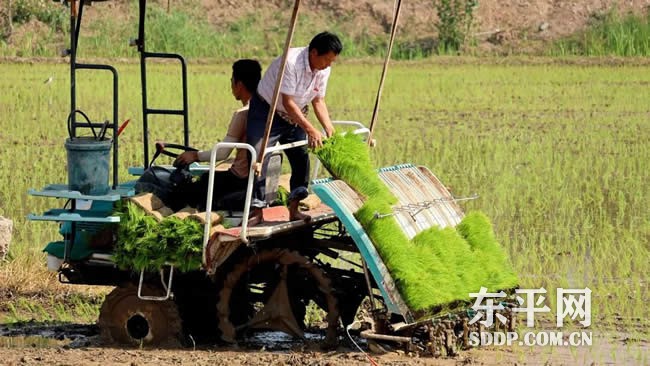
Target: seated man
[(246, 74)]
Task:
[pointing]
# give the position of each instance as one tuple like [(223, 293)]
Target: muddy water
[(278, 341), (31, 341), (39, 343), (46, 334)]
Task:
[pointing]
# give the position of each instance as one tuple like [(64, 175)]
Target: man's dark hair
[(248, 72), (325, 42)]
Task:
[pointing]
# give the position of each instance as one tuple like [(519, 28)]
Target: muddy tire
[(235, 313), (127, 320)]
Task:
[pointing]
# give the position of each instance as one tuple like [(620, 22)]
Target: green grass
[(558, 154), (609, 34), (76, 308)]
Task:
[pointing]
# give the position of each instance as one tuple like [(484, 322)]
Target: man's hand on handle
[(186, 158)]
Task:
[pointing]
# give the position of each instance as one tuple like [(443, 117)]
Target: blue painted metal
[(64, 215), (98, 212), (392, 299), (395, 168), (88, 165), (77, 252), (62, 191), (136, 170)]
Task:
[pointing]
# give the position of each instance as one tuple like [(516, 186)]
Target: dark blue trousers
[(283, 132)]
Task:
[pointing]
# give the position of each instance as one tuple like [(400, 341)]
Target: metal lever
[(102, 132)]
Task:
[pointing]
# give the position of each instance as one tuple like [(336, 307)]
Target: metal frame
[(167, 286), (146, 111), (75, 26), (249, 190), (375, 265)]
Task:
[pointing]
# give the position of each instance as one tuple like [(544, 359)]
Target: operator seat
[(234, 201)]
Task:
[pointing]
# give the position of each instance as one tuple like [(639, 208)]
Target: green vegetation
[(193, 36), (22, 11), (557, 152), (438, 266), (148, 244), (40, 28), (83, 308), (610, 34), (455, 19)]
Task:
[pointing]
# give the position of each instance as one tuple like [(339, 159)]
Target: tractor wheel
[(270, 290), (126, 319)]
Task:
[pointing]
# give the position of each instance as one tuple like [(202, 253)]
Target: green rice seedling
[(145, 243), (348, 158), (184, 240), (462, 265), (135, 231), (438, 266), (477, 231)]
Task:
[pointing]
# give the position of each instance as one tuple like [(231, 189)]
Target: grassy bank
[(185, 30), (609, 34), (40, 29)]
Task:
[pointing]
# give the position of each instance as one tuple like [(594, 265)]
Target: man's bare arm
[(236, 133), (314, 137), (323, 115)]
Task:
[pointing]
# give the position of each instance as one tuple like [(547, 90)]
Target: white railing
[(249, 190), (361, 129)]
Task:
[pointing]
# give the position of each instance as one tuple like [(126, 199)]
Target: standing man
[(305, 81), (246, 75)]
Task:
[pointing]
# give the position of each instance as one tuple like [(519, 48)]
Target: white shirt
[(299, 81)]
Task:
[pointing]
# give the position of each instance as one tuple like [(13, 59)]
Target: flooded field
[(557, 152), (34, 343)]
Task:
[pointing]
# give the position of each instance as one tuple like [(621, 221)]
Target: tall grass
[(610, 34)]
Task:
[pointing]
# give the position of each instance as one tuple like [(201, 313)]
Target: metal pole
[(393, 30), (186, 106), (73, 60), (75, 24), (369, 334), (371, 297), (142, 7), (276, 91)]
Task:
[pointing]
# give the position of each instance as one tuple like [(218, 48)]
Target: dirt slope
[(501, 26), (517, 20)]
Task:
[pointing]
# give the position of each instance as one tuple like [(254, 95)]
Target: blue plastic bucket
[(88, 164)]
